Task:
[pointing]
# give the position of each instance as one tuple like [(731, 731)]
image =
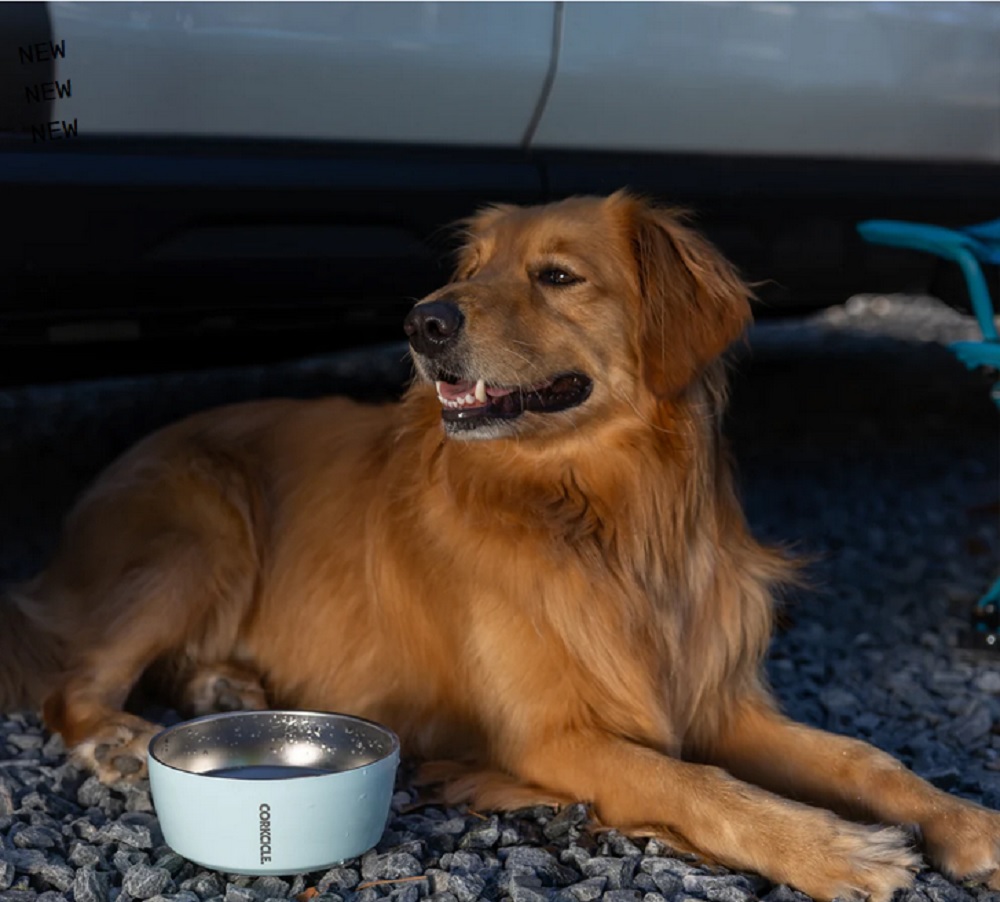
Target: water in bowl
[(266, 772)]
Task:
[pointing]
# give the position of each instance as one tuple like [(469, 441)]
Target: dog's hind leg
[(159, 567), (161, 608)]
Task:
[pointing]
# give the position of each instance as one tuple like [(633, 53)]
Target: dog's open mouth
[(466, 405)]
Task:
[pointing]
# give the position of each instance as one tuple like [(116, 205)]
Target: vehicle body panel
[(907, 81)]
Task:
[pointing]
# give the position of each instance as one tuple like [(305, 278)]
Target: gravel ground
[(859, 441)]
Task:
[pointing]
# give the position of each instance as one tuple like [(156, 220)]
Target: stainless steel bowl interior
[(310, 742)]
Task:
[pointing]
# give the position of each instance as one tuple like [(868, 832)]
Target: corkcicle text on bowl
[(265, 832)]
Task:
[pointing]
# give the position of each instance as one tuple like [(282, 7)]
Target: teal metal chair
[(972, 248)]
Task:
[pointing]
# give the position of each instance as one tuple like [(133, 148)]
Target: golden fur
[(566, 605)]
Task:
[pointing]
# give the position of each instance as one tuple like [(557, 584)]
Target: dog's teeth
[(467, 399)]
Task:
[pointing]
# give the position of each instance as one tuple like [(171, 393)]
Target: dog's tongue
[(452, 391)]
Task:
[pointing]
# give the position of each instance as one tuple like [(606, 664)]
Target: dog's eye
[(554, 276)]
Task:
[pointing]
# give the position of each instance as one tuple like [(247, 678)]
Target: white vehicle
[(183, 167)]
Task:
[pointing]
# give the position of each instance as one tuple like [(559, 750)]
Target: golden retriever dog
[(534, 566)]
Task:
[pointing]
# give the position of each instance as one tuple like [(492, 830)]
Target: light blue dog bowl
[(273, 792)]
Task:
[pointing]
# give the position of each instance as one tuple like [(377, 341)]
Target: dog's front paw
[(117, 750), (849, 861), (963, 841)]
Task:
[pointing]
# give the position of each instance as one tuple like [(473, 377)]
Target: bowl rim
[(221, 715)]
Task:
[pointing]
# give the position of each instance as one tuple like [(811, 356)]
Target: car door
[(423, 72)]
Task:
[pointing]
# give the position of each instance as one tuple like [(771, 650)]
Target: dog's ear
[(693, 302)]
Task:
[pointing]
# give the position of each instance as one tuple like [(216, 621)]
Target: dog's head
[(568, 311)]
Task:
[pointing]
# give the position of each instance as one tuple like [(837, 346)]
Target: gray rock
[(937, 889), (988, 681), (408, 893), (437, 880), (588, 890), (93, 793), (622, 895), (57, 874), (667, 882), (85, 829), (463, 860), (27, 861), (126, 859), (339, 879), (269, 887), (483, 836), (540, 862), (510, 836), (618, 871), (25, 741), (619, 844), (36, 837), (136, 836), (454, 826), (575, 855), (392, 866), (6, 874), (235, 893), (642, 881), (718, 888), (784, 893), (90, 886), (138, 799), (838, 701), (142, 881), (7, 805), (529, 860), (505, 880), (672, 865), (657, 848), (565, 820), (524, 892), (973, 727), (466, 887), (205, 885), (172, 862)]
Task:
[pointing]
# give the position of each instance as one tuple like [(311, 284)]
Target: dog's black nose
[(433, 326)]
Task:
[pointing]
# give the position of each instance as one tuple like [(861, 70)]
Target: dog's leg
[(462, 784), (728, 821), (87, 711), (210, 688), (760, 745), (144, 573)]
